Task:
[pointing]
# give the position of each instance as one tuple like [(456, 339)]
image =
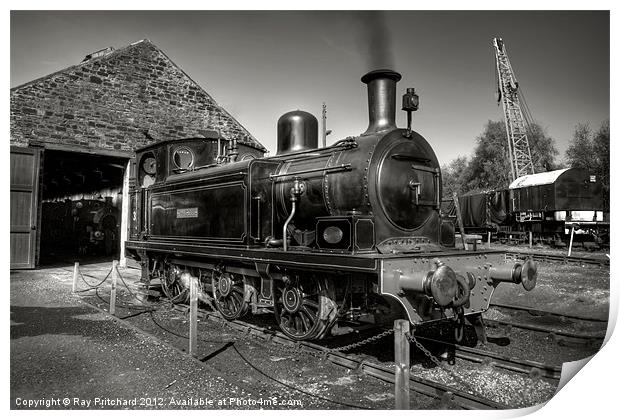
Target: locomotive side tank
[(343, 235)]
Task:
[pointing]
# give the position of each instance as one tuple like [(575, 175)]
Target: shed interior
[(81, 202)]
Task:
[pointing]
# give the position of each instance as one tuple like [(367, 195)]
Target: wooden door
[(24, 205)]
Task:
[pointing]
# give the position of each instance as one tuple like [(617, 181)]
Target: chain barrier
[(298, 348), (450, 370), (364, 341)]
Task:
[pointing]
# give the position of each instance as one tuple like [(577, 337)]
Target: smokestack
[(381, 100)]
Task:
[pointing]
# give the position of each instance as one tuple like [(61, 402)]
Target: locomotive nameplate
[(190, 213)]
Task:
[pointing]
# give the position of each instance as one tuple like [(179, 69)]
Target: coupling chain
[(365, 341), (449, 370)]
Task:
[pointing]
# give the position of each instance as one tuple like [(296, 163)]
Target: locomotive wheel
[(304, 309), (172, 286), (229, 294)]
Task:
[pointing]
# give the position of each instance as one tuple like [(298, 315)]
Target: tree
[(580, 152), (542, 148), (601, 151), (453, 176), (591, 151), (489, 166)]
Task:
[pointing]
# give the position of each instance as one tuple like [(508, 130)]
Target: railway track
[(562, 259), (455, 396), (527, 367), (423, 386), (462, 399), (461, 352), (541, 312), (562, 336), (558, 334)]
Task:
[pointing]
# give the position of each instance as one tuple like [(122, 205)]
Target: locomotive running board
[(304, 260)]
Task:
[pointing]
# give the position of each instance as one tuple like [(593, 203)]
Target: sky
[(261, 64)]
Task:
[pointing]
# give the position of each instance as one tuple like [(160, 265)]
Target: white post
[(570, 246), (124, 215), (193, 315), (489, 240), (76, 269), (530, 239), (401, 359), (113, 291)]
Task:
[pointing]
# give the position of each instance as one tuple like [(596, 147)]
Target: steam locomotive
[(321, 237)]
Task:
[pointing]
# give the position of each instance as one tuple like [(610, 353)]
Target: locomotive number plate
[(190, 213)]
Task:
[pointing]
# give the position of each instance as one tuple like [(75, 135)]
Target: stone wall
[(123, 100)]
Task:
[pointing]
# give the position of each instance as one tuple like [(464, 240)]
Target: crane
[(515, 117)]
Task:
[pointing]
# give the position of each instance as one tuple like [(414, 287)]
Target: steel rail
[(602, 262), (504, 362), (533, 327), (541, 312)]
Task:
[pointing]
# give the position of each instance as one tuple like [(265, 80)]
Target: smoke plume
[(375, 40)]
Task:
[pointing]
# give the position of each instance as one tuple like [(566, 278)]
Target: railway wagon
[(322, 237), (548, 204), (553, 202), (482, 211)]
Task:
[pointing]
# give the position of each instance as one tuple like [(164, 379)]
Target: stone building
[(73, 133)]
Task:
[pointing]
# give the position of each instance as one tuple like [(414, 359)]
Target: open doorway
[(81, 205)]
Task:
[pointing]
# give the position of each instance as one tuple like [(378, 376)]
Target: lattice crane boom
[(516, 125)]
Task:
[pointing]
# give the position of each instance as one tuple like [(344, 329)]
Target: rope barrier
[(112, 303)]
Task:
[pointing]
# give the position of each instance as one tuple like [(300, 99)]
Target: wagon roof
[(542, 178)]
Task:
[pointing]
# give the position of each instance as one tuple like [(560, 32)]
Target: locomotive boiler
[(321, 237)]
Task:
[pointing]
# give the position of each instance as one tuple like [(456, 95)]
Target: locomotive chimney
[(381, 99)]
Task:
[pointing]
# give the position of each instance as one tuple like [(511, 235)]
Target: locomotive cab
[(158, 161), (159, 164)]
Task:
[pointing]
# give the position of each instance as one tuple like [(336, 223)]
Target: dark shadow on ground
[(69, 260), (31, 321)]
